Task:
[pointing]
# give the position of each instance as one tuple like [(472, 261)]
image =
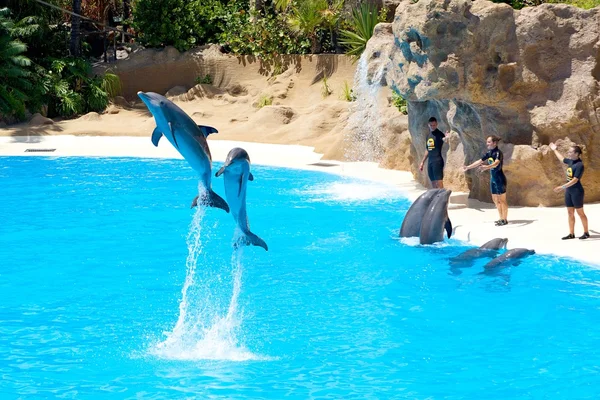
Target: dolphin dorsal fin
[(250, 176), (156, 135), (207, 130), (448, 227)]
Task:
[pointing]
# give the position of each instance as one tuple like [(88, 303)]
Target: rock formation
[(530, 76)]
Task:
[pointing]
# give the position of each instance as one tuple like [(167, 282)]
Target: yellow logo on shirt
[(569, 174), (430, 144), (490, 161)]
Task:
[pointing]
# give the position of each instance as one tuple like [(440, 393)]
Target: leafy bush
[(14, 86), (207, 80), (265, 36), (180, 23), (399, 102)]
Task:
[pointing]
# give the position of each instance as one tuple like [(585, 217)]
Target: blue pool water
[(111, 287)]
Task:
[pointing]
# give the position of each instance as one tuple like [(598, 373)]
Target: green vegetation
[(518, 4), (399, 102), (264, 100), (347, 92), (325, 90), (45, 64), (362, 24), (207, 80)]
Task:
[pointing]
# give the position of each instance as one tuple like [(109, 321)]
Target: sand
[(536, 228)]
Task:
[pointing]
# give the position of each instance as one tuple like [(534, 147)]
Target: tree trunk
[(126, 13), (74, 46)]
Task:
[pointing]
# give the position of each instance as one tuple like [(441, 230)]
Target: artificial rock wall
[(529, 76)]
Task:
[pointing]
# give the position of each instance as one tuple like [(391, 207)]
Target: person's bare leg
[(437, 184), (571, 212), (583, 219), (503, 206), (496, 200)]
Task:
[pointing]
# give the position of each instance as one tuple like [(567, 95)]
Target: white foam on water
[(352, 191), (204, 330)]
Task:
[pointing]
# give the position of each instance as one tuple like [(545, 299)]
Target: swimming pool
[(94, 259)]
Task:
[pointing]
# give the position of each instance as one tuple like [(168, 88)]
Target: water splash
[(364, 143), (202, 332)]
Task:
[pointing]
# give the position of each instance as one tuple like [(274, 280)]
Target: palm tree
[(307, 17), (75, 22), (13, 69)]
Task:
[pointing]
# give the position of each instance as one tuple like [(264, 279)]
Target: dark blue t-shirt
[(490, 157), (575, 170), (435, 141)]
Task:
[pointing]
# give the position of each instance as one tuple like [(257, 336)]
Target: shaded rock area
[(481, 68)]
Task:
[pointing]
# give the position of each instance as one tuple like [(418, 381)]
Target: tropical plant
[(363, 22), (74, 44), (14, 85), (207, 79), (307, 17)]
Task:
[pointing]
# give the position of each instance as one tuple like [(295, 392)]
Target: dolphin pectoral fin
[(250, 176), (250, 238), (156, 135), (220, 171), (194, 202), (448, 227), (207, 130)]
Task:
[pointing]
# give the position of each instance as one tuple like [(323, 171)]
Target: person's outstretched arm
[(474, 165), (556, 152)]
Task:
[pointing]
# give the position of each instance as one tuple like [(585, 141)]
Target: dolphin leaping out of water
[(188, 138), (427, 217), (236, 174)]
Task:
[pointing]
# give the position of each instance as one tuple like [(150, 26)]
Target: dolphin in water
[(487, 250), (511, 257), (188, 138), (435, 220), (411, 225), (236, 174)]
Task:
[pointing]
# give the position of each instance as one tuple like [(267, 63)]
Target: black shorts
[(574, 197), (435, 170), (498, 184)]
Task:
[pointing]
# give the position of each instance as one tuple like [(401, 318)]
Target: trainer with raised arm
[(492, 161), (573, 189), (435, 166)]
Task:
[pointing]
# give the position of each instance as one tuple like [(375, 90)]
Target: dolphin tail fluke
[(448, 227), (214, 200), (250, 238), (211, 200)]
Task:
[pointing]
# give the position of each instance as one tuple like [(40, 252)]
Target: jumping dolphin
[(511, 257), (467, 258), (411, 225), (435, 219), (188, 138), (236, 174)]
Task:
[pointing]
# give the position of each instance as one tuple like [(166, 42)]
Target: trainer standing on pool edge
[(573, 189), (435, 166)]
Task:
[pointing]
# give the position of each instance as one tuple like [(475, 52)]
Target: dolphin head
[(155, 103), (236, 155), (495, 244)]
